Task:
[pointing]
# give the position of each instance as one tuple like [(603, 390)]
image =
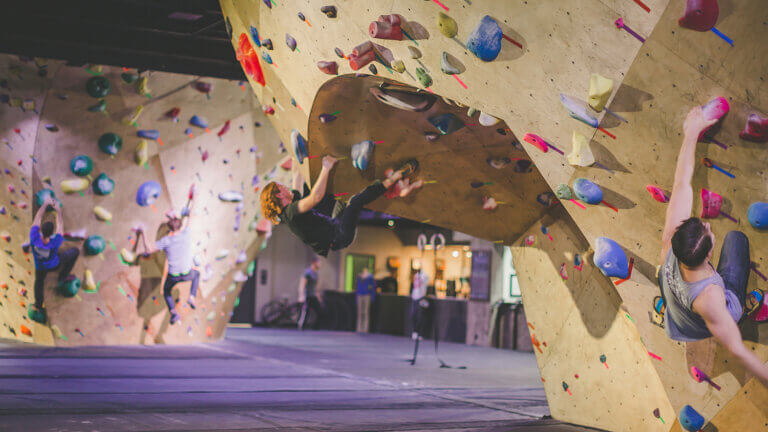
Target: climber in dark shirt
[(318, 219)]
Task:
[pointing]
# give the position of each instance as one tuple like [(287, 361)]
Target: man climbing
[(316, 218), (308, 293), (45, 246), (702, 302), (177, 246)]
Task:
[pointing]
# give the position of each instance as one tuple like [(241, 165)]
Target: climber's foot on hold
[(191, 303), (37, 314), (402, 172), (174, 317)]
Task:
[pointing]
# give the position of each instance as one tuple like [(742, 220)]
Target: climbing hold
[(523, 166), (127, 256), (758, 215), (94, 245), (142, 86), (249, 59), (711, 203), (268, 3), (329, 67), (224, 129), (74, 185), (415, 53), (447, 25), (148, 192), (103, 185), (714, 110), (545, 198), (361, 154), (267, 43), (446, 123), (403, 99), (537, 141), (339, 52), (98, 87), (129, 78), (173, 113), (102, 213), (699, 15), (600, 89), (110, 143), (657, 193), (472, 111), (268, 110), (487, 119), (152, 134), (372, 68), (133, 117), (447, 67), (141, 153), (690, 419), (489, 204), (587, 191), (290, 41), (299, 146), (89, 282), (100, 106), (44, 194), (423, 77), (610, 258), (362, 55), (485, 40), (198, 121), (326, 118), (431, 136), (69, 286), (398, 66), (499, 162), (81, 165), (329, 11), (52, 127), (231, 196), (578, 110), (563, 192), (756, 129), (387, 27), (255, 36), (581, 154), (36, 315)]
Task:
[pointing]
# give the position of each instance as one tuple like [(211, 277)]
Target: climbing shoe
[(409, 167), (174, 317)]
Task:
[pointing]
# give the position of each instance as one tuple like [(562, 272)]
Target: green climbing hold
[(81, 165), (94, 245), (44, 194), (129, 78), (110, 143), (237, 302), (101, 106), (69, 286), (423, 77), (103, 185), (36, 315), (563, 192), (446, 123), (98, 87), (447, 25)]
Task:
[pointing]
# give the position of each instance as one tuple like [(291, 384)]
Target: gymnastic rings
[(421, 242), (434, 238)]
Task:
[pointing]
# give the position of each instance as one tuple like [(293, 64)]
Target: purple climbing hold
[(485, 40), (329, 11), (290, 41), (188, 131), (148, 192), (268, 3), (327, 118), (587, 191), (267, 43)]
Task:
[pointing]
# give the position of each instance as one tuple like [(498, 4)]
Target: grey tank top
[(682, 323)]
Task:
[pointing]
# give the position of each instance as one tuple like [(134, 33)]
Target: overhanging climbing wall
[(226, 153), (548, 48)]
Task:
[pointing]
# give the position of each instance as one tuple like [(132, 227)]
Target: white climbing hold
[(240, 276), (127, 256), (231, 196), (581, 154), (487, 120), (241, 257), (415, 53)]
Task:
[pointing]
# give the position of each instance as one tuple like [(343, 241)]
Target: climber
[(702, 302), (45, 246), (316, 218), (178, 249), (308, 293)]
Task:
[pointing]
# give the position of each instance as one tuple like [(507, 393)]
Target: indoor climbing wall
[(537, 66), (119, 149)]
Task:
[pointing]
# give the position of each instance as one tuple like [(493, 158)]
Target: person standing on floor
[(308, 293), (366, 290), (419, 302)]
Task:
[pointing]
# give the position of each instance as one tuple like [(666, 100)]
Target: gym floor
[(273, 380)]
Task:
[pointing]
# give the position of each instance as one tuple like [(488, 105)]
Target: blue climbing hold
[(587, 191), (485, 40), (361, 154), (690, 419), (148, 192), (152, 134), (758, 215), (446, 123), (299, 145), (255, 36), (266, 57), (610, 258), (198, 121)]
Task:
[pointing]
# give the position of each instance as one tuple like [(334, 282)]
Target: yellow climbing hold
[(74, 185), (600, 89), (90, 284), (398, 66), (580, 155), (102, 213), (127, 256), (141, 154), (134, 116), (447, 25), (142, 86)]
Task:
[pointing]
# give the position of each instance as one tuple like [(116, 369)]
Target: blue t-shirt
[(366, 285), (46, 255), (178, 250), (311, 286)]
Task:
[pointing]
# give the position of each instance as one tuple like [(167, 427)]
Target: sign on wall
[(480, 280)]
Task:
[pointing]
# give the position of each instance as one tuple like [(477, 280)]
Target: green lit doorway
[(355, 264)]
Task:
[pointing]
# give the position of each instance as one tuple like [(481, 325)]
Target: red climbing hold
[(268, 110), (756, 129), (387, 27), (700, 15), (362, 55), (224, 129), (329, 67), (249, 59)]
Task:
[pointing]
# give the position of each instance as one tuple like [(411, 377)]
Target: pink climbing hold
[(536, 141), (711, 203), (387, 27), (329, 67), (657, 193), (715, 110), (268, 110), (700, 15), (362, 55), (756, 129)]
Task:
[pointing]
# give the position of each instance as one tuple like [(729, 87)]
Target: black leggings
[(170, 281), (67, 261), (345, 224)]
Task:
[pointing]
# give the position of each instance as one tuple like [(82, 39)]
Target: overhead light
[(469, 254), (455, 254), (390, 223)]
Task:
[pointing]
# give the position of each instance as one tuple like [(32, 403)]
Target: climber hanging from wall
[(45, 245), (179, 251), (316, 218), (702, 302)]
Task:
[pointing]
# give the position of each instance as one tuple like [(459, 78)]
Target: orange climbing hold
[(25, 330), (249, 59)]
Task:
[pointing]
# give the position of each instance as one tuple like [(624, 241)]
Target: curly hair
[(270, 203)]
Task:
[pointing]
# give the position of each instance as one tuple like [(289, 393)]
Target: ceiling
[(181, 36)]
